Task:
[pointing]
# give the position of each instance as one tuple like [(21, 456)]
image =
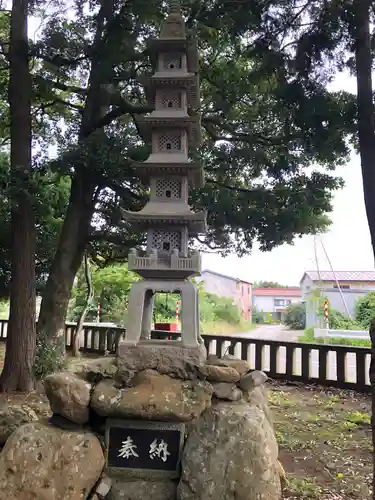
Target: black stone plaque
[(140, 448)]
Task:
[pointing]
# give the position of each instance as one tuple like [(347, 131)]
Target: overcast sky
[(347, 243)]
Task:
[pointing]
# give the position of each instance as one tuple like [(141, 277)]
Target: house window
[(282, 302), (343, 287)]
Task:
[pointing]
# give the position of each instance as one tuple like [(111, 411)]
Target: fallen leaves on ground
[(324, 438)]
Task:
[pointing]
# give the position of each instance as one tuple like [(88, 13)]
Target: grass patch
[(324, 441), (308, 337), (304, 488)]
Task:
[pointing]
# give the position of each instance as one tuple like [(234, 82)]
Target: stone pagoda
[(173, 131)]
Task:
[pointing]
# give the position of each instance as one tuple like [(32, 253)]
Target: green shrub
[(48, 358), (257, 317), (295, 316), (309, 338), (365, 310), (308, 335), (339, 321), (269, 319), (226, 311), (4, 309)]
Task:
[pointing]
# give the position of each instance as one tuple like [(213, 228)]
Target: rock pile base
[(230, 449)]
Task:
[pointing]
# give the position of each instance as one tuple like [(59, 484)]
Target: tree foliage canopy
[(365, 310), (272, 132), (271, 135), (268, 284), (295, 316)]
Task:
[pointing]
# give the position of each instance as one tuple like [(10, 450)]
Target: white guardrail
[(344, 334)]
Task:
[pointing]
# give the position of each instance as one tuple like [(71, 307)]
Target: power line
[(336, 280)]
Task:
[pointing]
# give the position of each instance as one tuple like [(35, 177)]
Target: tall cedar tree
[(17, 374), (366, 139)]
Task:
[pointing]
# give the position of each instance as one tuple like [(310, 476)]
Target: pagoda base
[(167, 357), (141, 305)]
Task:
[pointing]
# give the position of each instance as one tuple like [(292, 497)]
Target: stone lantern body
[(173, 130)]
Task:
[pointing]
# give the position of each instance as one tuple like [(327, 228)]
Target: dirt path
[(270, 332)]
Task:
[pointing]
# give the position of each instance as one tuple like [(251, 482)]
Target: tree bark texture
[(366, 137), (17, 374), (76, 227)]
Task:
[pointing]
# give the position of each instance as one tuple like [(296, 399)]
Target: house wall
[(333, 295), (266, 304), (367, 285), (357, 289), (306, 285), (238, 291)]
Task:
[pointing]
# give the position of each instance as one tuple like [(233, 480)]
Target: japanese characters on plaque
[(136, 448)]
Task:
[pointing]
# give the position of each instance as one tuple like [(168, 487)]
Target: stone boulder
[(96, 369), (240, 365), (44, 463), (142, 490), (69, 396), (230, 392), (220, 373), (259, 397), (231, 452), (251, 380), (176, 360), (12, 417), (154, 396)]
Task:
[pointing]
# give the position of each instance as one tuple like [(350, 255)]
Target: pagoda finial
[(174, 7), (174, 25)]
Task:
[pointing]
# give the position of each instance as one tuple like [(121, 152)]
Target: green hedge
[(309, 338)]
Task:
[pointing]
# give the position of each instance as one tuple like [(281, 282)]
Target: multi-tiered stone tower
[(173, 129)]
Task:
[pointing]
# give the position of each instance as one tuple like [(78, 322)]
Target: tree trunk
[(76, 228), (17, 374), (68, 258), (82, 316), (366, 137)]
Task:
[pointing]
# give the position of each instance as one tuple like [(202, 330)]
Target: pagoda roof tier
[(189, 46), (175, 80), (159, 121), (167, 214), (193, 171)]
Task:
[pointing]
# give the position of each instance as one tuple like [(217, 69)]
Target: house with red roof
[(275, 301)]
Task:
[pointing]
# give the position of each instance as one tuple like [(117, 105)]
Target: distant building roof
[(208, 271), (340, 275), (279, 292)]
